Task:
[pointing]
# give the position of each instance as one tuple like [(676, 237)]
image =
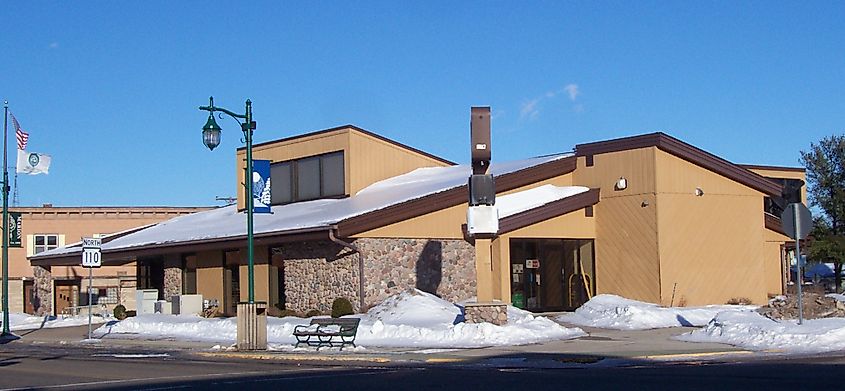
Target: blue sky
[(111, 89)]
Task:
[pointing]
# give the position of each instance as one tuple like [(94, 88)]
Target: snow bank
[(753, 331), (419, 319), (614, 312), (410, 319), (18, 321)]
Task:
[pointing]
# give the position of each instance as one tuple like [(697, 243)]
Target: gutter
[(333, 237)]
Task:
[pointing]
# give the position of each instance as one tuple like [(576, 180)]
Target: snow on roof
[(512, 204), (227, 222)]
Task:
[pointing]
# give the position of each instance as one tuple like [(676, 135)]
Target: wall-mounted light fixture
[(699, 192), (621, 184)]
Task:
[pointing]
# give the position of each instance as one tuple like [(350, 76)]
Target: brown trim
[(772, 168), (455, 196), (684, 151), (773, 223), (548, 211), (588, 211), (353, 127)]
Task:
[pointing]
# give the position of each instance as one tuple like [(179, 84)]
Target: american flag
[(22, 136)]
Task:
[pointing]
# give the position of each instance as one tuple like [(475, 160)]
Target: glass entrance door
[(551, 274)]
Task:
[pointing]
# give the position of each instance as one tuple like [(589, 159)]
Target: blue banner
[(261, 186)]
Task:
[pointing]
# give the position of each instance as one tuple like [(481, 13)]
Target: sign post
[(797, 224), (91, 258)]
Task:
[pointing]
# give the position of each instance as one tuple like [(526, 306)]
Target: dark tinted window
[(308, 178)]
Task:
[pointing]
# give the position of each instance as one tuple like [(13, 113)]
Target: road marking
[(693, 355), (293, 357)]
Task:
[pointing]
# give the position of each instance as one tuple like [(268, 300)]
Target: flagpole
[(7, 334)]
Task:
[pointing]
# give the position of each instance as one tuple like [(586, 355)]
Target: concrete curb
[(693, 356)]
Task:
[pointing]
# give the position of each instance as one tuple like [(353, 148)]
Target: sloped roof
[(687, 152), (405, 192)]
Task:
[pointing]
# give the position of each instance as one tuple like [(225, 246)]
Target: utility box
[(145, 300), (252, 326), (187, 304), (162, 307), (482, 220), (482, 190)]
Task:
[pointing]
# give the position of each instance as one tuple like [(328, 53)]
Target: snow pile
[(756, 332), (419, 319), (410, 319), (19, 321), (614, 312)]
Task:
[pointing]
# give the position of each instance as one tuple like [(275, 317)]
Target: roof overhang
[(122, 256)]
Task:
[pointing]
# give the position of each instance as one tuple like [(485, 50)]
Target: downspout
[(354, 248)]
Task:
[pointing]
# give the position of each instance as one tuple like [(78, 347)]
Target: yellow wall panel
[(210, 275), (627, 259), (372, 160)]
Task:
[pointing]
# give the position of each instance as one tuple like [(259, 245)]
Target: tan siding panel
[(711, 245), (627, 262), (372, 160)]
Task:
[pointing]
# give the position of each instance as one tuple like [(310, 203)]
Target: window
[(45, 242), (308, 178)]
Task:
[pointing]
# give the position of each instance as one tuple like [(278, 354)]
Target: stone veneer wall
[(318, 272), (43, 290), (445, 268), (172, 282)]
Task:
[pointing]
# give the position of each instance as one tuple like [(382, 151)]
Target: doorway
[(150, 275), (65, 295), (551, 274), (231, 282)]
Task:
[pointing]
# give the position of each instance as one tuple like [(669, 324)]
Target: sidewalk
[(600, 346)]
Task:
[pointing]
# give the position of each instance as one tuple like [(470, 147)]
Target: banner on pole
[(261, 196), (15, 224)]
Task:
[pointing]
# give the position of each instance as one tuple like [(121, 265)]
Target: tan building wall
[(627, 259), (711, 245), (783, 172), (210, 275), (360, 168)]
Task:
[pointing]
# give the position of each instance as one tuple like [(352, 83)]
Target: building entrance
[(551, 274)]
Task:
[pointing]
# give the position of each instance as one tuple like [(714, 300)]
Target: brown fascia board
[(127, 255), (684, 151), (449, 198), (548, 211), (361, 130), (771, 168), (773, 223)]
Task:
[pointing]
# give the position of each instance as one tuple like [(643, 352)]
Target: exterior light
[(211, 133), (621, 184)]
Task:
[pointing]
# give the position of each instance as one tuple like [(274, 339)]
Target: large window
[(308, 178), (45, 242)]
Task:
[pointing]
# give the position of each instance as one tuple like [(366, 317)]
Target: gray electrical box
[(480, 139), (482, 190)]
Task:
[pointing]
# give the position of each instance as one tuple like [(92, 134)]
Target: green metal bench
[(329, 332)]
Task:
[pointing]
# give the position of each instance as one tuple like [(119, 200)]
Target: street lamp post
[(211, 139)]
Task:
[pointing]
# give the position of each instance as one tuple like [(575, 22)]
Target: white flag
[(33, 163)]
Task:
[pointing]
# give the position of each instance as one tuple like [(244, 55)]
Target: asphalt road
[(75, 368)]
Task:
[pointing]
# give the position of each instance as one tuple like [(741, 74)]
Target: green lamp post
[(211, 139)]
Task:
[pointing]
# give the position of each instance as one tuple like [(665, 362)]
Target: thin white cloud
[(572, 90), (531, 108), (54, 45)]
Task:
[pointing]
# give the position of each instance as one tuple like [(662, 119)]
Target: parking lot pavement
[(600, 345)]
